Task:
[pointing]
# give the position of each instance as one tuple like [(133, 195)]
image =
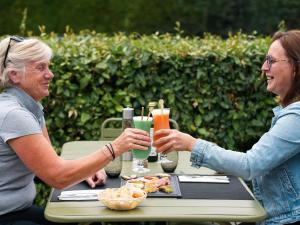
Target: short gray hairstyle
[(20, 54)]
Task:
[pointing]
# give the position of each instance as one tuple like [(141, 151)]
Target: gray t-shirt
[(20, 115)]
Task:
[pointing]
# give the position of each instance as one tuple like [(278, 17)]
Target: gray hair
[(20, 54)]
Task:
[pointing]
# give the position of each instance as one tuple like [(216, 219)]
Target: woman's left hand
[(173, 140), (98, 178)]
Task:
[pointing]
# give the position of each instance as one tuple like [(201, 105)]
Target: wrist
[(107, 153), (115, 148), (111, 150), (192, 143)]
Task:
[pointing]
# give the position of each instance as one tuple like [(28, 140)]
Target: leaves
[(212, 85)]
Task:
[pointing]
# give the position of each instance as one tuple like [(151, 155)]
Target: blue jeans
[(31, 216)]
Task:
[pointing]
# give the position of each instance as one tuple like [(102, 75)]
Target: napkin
[(79, 195), (203, 179)]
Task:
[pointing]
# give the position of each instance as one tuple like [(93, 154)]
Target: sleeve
[(18, 123), (274, 148)]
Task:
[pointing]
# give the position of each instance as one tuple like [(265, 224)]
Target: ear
[(14, 76)]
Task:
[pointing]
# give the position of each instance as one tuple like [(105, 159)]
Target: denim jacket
[(273, 165)]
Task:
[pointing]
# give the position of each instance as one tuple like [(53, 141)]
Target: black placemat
[(234, 190)]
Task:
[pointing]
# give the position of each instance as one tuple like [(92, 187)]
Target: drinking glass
[(114, 168), (140, 155), (161, 121), (170, 165)]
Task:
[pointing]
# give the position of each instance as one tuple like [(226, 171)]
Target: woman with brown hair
[(273, 163)]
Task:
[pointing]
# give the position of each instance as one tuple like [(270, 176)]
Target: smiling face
[(281, 74), (36, 79)]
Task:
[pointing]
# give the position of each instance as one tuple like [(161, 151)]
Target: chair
[(112, 128)]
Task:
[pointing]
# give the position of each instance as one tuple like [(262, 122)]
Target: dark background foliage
[(148, 16)]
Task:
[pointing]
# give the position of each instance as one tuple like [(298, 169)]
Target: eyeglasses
[(14, 38), (270, 60)]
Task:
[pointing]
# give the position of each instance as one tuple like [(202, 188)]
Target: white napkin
[(203, 179), (79, 195)]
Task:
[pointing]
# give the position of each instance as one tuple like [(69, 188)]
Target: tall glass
[(161, 121), (141, 155)]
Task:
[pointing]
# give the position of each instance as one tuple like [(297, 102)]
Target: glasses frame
[(16, 39), (270, 60)]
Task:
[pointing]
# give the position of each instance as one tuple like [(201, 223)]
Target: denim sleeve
[(275, 147)]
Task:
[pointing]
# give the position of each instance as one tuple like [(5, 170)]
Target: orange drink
[(160, 120)]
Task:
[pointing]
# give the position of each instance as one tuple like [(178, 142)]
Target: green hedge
[(213, 86)]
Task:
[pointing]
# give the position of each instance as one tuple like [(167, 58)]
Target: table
[(152, 209)]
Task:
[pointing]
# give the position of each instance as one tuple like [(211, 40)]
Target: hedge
[(213, 86)]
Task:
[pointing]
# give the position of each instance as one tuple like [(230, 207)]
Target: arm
[(275, 147), (38, 155), (98, 178), (46, 135)]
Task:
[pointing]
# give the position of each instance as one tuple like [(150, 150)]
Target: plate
[(173, 182)]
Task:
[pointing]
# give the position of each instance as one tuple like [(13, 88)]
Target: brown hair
[(290, 41)]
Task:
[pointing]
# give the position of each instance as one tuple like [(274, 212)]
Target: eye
[(41, 67), (270, 59)]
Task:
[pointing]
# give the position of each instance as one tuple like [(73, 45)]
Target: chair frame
[(110, 133)]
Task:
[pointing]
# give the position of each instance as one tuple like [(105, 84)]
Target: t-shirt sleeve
[(18, 123)]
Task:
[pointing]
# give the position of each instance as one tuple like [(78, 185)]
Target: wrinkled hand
[(173, 140), (98, 178), (131, 138)]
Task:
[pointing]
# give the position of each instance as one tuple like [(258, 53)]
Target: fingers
[(100, 177), (163, 132), (99, 180), (90, 182), (136, 131)]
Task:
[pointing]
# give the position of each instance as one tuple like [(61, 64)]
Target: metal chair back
[(111, 128)]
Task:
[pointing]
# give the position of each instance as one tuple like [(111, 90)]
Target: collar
[(277, 110), (27, 101)]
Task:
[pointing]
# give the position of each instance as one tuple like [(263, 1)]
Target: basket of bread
[(123, 198)]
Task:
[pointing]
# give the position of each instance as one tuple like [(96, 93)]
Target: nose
[(49, 74), (264, 66)]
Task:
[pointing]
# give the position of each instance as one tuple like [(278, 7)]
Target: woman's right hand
[(131, 138)]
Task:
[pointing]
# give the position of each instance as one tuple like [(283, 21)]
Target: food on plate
[(123, 198), (150, 187), (129, 177), (166, 188), (151, 184), (124, 177), (163, 175)]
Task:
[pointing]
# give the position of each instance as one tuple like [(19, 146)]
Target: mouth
[(269, 78)]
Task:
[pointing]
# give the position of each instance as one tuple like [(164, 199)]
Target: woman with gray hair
[(25, 147)]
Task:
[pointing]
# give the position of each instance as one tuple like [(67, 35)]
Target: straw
[(142, 112), (161, 105), (150, 110)]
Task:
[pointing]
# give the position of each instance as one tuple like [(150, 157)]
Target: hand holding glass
[(144, 124), (161, 121)]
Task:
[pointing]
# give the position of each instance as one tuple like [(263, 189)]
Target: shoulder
[(293, 108), (288, 122), (18, 116), (18, 122)]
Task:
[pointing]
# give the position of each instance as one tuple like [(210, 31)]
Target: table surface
[(152, 209)]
